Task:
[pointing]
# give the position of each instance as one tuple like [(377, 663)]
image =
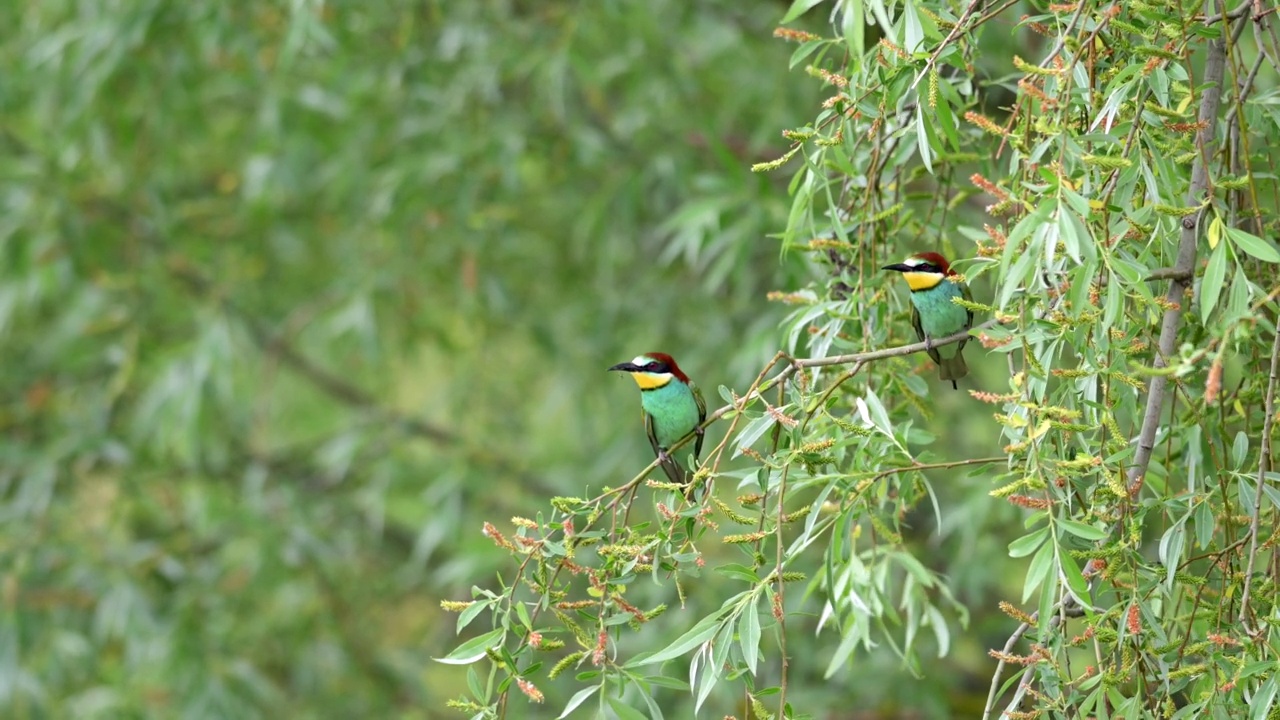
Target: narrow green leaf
[(738, 572), (1254, 245), (749, 634), (698, 634), (1013, 281), (1171, 545), (940, 632), (1114, 304), (912, 30), (913, 566), (1255, 667), (752, 432), (655, 712), (844, 649), (1081, 530), (798, 8), (1048, 594), (1205, 524), (1075, 579), (1260, 707), (578, 698), (1272, 493), (1245, 493), (470, 613), (877, 414), (1040, 568), (1125, 270), (1211, 285), (473, 649), (666, 682), (711, 667), (1238, 298), (946, 117), (1067, 232), (854, 28), (625, 712), (1027, 544), (804, 51), (1239, 449), (922, 139)]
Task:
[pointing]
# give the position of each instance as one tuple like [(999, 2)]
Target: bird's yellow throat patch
[(650, 381), (921, 280)]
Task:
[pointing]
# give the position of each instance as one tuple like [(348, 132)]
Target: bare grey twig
[(1264, 466), (1067, 608), (1170, 274), (958, 28), (1239, 12)]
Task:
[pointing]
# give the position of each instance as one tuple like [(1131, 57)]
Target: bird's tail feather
[(680, 476), (673, 470), (953, 368)]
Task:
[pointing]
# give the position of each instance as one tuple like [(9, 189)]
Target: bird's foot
[(699, 431), (928, 343)]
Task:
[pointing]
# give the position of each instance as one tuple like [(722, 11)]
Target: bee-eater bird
[(673, 407), (933, 315)]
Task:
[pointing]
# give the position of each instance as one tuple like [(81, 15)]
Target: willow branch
[(898, 351), (1169, 274), (956, 29), (1239, 12), (1067, 608), (849, 359), (1210, 100), (1264, 465)]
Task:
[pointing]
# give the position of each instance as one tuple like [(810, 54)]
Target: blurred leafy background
[(295, 295)]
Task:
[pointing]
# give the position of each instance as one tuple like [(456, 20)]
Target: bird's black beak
[(898, 267), (625, 367)]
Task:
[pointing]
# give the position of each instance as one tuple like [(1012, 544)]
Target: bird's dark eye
[(656, 367), (929, 268)]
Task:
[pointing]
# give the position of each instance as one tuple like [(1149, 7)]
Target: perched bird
[(673, 407), (933, 314)]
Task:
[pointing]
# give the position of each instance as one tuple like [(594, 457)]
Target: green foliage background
[(294, 297)]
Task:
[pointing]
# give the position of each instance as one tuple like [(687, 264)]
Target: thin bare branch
[(1067, 608), (956, 29), (851, 359), (1239, 12), (1264, 466), (1170, 274)]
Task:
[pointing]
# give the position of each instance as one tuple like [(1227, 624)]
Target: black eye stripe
[(656, 367)]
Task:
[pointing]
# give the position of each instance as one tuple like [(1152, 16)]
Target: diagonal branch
[(1210, 100), (1067, 608), (850, 359), (956, 29)]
